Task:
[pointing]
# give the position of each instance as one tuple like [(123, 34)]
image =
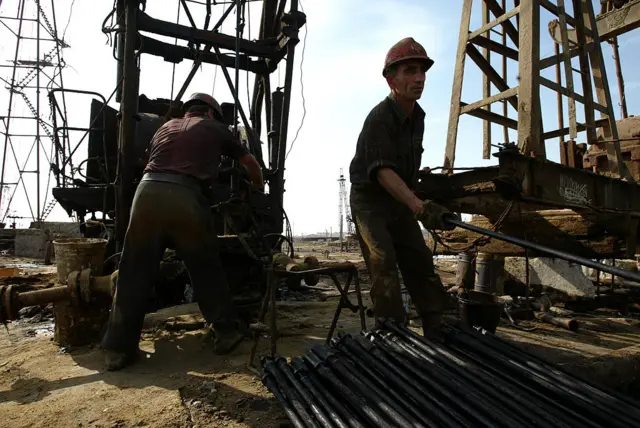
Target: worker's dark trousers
[(167, 215), (390, 238)]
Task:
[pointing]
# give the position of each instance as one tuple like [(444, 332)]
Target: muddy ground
[(179, 382)]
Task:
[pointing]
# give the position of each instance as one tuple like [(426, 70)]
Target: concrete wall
[(31, 243)]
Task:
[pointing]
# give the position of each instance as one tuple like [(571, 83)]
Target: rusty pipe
[(568, 323), (41, 297)]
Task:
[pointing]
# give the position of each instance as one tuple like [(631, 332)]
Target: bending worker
[(170, 210), (385, 210)]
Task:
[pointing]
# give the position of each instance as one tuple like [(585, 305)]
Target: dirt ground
[(179, 382)]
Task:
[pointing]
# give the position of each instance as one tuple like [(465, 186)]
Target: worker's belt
[(180, 179)]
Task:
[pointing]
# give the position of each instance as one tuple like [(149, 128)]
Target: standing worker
[(385, 209), (170, 210)]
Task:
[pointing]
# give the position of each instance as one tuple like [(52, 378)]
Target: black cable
[(304, 108)]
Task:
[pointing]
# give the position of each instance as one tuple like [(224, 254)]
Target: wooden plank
[(557, 59), (585, 74), (529, 117), (568, 71), (511, 92), (565, 131), (493, 117), (556, 11), (598, 68), (490, 72), (456, 92), (486, 87), (571, 95), (496, 47), (505, 106), (609, 25), (507, 26), (556, 48), (501, 18)]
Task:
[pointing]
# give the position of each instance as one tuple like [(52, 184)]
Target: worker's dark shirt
[(192, 146), (389, 139)]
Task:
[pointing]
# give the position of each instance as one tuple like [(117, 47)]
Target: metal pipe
[(128, 124), (488, 385), (358, 403), (290, 393), (269, 381), (330, 405), (555, 388), (397, 378), (440, 385), (44, 296), (426, 363), (616, 58), (568, 323), (543, 249), (306, 396), (365, 387), (399, 394), (578, 383)]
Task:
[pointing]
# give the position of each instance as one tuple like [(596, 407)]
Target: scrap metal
[(392, 377)]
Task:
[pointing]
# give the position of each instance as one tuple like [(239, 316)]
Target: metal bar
[(616, 57), (128, 124), (8, 121), (159, 46), (37, 219), (120, 9), (169, 29), (254, 144), (543, 249), (188, 12), (239, 27)]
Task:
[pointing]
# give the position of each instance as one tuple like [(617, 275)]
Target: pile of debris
[(394, 377)]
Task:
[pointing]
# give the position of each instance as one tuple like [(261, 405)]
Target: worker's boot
[(431, 323), (228, 338), (115, 360)]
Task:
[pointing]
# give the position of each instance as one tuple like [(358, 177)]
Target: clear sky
[(343, 54)]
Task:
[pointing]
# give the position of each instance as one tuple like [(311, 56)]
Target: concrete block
[(31, 243), (59, 229), (555, 274)]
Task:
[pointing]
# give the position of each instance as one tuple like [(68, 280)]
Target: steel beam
[(194, 35), (175, 54)]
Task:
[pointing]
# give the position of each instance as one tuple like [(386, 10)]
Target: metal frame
[(261, 57), (23, 73)]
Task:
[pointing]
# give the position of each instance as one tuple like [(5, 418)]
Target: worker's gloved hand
[(432, 216)]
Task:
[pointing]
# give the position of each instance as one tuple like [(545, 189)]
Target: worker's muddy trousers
[(390, 238), (167, 215)]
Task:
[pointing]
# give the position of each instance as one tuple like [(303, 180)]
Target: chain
[(482, 240)]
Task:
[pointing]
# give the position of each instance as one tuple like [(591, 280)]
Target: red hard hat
[(206, 99), (404, 50)]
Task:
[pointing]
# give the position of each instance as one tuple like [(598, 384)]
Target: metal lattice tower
[(344, 210), (28, 72)]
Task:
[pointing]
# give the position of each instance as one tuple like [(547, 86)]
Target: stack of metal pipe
[(393, 377)]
